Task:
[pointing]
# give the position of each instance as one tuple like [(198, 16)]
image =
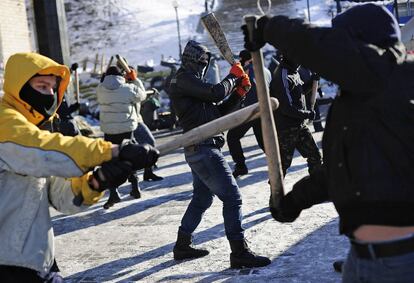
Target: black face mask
[(45, 104)]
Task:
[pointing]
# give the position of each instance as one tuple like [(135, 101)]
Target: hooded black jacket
[(196, 102), (368, 143)]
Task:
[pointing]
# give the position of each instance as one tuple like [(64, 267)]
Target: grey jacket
[(120, 103)]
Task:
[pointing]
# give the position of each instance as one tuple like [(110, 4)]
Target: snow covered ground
[(133, 241)]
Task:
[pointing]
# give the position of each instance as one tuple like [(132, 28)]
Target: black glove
[(112, 174), (287, 211), (74, 66), (257, 42), (138, 155), (311, 115)]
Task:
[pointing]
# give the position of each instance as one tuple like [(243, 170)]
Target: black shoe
[(150, 176), (184, 250), (338, 265), (113, 198), (240, 169), (135, 192), (242, 257)]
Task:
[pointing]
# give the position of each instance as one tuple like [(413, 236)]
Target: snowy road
[(133, 241)]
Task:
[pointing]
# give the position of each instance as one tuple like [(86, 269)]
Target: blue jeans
[(212, 176), (398, 269), (143, 135)]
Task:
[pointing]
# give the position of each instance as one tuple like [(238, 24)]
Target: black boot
[(240, 169), (113, 198), (135, 192), (184, 250), (241, 256), (149, 175)]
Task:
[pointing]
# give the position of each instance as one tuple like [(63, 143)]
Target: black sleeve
[(311, 190), (232, 103), (332, 53), (194, 87)]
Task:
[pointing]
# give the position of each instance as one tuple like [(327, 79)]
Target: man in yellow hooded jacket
[(39, 168)]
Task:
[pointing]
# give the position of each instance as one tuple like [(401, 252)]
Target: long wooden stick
[(215, 127), (77, 86), (123, 63), (109, 63), (313, 94), (270, 140), (207, 130), (102, 63)]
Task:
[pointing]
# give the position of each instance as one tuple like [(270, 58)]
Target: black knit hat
[(244, 56), (113, 70)]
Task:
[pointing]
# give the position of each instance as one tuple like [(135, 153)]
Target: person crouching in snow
[(39, 169)]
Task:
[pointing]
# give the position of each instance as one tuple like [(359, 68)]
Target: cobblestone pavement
[(133, 241)]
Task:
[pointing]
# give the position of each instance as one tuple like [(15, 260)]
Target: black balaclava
[(289, 64), (45, 104), (369, 23), (244, 56), (192, 58)]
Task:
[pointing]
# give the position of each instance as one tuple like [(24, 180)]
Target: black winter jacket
[(196, 102), (368, 143), (287, 87)]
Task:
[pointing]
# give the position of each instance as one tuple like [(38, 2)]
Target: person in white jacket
[(119, 99), (39, 169)]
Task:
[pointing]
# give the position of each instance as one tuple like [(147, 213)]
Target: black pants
[(301, 139), (117, 139), (17, 274), (234, 135)]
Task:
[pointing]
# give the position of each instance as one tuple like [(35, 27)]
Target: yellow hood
[(20, 68)]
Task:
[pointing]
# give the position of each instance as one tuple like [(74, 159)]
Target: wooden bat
[(207, 130), (215, 127), (123, 63), (77, 86), (216, 33), (127, 69), (268, 124), (313, 94)]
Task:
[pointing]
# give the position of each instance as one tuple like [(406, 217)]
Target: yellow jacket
[(38, 168)]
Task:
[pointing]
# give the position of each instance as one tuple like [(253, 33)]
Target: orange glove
[(243, 88), (131, 76), (237, 70)]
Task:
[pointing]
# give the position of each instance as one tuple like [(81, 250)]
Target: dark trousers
[(301, 139), (234, 135), (117, 139), (17, 274), (212, 176)]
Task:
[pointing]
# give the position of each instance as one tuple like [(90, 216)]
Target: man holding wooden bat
[(197, 103)]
